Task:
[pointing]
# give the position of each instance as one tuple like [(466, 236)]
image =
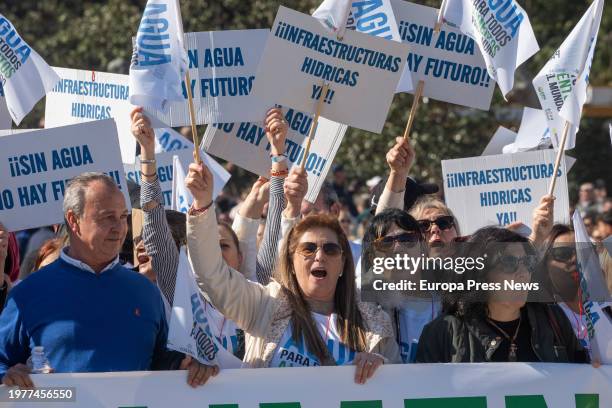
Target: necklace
[(512, 354)]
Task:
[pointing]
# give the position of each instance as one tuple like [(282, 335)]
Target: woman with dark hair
[(390, 233), (309, 314), (495, 325), (558, 268)]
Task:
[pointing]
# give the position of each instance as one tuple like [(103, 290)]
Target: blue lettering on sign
[(507, 15), (153, 38), (370, 19), (170, 143), (9, 36)]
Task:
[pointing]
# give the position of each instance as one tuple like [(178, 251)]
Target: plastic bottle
[(37, 362)]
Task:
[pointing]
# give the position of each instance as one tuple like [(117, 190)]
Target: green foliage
[(91, 34)]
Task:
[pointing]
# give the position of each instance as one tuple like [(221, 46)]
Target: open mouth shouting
[(318, 272)]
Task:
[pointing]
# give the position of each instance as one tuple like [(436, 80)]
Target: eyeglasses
[(309, 249), (510, 263), (445, 222), (385, 244), (563, 254)]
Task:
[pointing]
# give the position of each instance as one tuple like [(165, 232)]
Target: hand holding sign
[(276, 131), (296, 186), (197, 373), (142, 131), (199, 182), (543, 220), (401, 156)]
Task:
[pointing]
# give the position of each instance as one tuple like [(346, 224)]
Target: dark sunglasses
[(309, 249), (563, 254), (385, 244), (444, 223), (510, 263)]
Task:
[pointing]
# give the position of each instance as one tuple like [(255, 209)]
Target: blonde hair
[(432, 203)]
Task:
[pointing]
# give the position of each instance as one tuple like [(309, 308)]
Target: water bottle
[(38, 362)]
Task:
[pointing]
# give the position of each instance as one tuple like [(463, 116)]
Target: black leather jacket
[(451, 339)]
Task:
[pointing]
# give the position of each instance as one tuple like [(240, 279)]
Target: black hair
[(469, 304), (379, 227)]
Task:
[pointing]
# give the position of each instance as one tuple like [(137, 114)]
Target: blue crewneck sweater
[(86, 322)]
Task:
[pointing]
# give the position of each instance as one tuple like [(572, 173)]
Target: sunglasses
[(387, 243), (309, 249), (563, 254), (510, 263), (445, 222)]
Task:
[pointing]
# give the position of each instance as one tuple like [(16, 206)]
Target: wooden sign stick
[(313, 125), (415, 106), (194, 129), (553, 181)]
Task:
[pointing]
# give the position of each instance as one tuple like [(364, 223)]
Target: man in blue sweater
[(88, 312)]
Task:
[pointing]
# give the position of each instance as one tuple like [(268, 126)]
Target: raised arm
[(156, 233), (248, 304), (276, 133), (400, 159), (246, 225)]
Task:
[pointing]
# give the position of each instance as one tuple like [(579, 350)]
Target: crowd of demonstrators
[(280, 277)]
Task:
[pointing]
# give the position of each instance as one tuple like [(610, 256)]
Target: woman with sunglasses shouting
[(309, 315), (493, 322)]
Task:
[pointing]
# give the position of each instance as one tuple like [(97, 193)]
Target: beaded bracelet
[(279, 173)]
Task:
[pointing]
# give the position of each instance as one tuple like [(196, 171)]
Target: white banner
[(502, 189), (159, 60), (37, 165), (502, 30), (222, 67), (245, 145), (362, 71), (169, 144), (5, 116), (192, 324), (501, 138), (24, 75), (450, 62), (485, 385), (82, 96)]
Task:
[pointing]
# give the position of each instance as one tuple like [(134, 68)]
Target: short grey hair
[(74, 197)]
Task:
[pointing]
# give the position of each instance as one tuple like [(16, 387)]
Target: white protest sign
[(192, 328), (245, 145), (82, 96), (167, 146), (222, 67), (465, 385), (450, 62), (362, 71), (5, 115), (502, 31), (501, 138), (24, 75), (37, 165), (502, 189)]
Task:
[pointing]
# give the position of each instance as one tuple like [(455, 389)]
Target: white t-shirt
[(288, 353), (413, 316)]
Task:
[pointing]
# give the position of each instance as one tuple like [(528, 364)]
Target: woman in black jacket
[(491, 324)]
